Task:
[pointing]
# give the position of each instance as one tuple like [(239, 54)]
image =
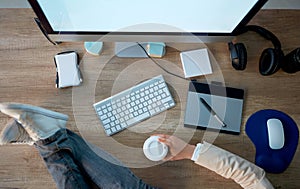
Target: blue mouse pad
[(273, 161)]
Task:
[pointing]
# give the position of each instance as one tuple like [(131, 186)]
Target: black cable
[(37, 21), (155, 62)]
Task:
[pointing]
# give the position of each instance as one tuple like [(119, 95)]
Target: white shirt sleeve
[(196, 152), (229, 165)]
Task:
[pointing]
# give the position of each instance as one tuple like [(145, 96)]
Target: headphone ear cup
[(270, 61), (239, 61), (291, 62)]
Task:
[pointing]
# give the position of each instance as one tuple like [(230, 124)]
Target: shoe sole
[(6, 136), (34, 109)]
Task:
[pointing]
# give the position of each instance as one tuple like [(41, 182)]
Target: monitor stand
[(134, 50), (129, 49)]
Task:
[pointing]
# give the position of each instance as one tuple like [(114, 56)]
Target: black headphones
[(271, 59)]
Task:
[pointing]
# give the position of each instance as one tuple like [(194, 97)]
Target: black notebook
[(219, 105)]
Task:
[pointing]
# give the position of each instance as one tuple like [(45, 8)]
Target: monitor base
[(139, 50)]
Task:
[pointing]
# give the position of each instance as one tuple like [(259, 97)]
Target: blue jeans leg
[(61, 164), (65, 153)]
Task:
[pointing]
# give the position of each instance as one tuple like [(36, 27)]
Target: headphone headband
[(262, 32)]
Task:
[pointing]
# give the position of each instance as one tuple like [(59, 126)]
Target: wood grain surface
[(27, 75)]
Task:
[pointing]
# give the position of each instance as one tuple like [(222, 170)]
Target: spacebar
[(138, 118)]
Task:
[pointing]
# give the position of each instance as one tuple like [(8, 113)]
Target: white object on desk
[(130, 50), (155, 150), (275, 133), (195, 63), (67, 70), (133, 105)]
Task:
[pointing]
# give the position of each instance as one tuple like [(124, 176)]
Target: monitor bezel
[(49, 30)]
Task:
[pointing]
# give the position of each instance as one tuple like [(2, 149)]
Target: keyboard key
[(103, 117), (106, 121), (152, 112), (161, 86), (166, 99), (123, 125), (100, 113), (108, 132), (140, 117)]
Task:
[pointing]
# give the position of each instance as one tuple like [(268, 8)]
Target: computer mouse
[(155, 150), (275, 133)]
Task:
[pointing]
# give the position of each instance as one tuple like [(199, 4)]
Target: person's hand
[(178, 149)]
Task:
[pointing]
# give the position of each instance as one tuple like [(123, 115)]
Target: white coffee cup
[(155, 150)]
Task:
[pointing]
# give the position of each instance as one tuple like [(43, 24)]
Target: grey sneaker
[(39, 123), (14, 133)]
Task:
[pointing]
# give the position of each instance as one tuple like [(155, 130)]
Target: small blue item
[(94, 48), (272, 160), (156, 49)]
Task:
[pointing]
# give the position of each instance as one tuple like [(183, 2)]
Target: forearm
[(232, 166)]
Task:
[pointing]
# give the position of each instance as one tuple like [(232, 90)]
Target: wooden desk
[(27, 75)]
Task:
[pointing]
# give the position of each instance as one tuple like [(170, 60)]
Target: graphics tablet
[(225, 104)]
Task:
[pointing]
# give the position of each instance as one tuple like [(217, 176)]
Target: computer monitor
[(144, 20)]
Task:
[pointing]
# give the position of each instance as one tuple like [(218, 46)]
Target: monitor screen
[(155, 17)]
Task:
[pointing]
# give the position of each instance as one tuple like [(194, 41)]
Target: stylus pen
[(215, 115)]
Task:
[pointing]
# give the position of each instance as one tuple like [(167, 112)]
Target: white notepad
[(67, 69), (195, 63)]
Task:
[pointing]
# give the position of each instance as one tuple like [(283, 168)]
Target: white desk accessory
[(275, 133), (133, 105), (68, 73), (155, 150), (195, 63)]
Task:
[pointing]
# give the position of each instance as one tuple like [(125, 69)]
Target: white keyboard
[(133, 105)]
